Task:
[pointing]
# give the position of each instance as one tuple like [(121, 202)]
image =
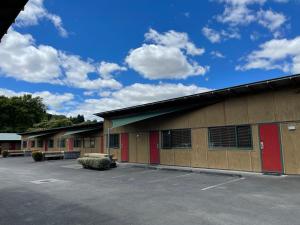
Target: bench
[(19, 152), (53, 155)]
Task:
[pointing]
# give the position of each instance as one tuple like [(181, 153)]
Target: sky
[(84, 57)]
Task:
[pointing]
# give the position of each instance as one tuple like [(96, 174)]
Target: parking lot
[(61, 192)]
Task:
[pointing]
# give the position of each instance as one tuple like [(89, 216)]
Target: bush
[(37, 156), (95, 163), (4, 153)]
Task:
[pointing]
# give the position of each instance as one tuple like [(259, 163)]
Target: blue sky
[(91, 56)]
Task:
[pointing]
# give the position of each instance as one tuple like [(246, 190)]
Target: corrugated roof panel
[(10, 137)]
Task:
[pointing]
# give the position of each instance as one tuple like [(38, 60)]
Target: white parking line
[(220, 184), (169, 178)]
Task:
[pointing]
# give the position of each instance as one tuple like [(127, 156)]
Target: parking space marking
[(45, 181), (139, 172), (221, 184), (169, 178)]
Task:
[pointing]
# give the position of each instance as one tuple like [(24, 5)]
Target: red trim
[(154, 150), (270, 148)]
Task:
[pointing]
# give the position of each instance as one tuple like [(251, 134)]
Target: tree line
[(27, 113)]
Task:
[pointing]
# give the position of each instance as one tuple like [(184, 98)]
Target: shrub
[(37, 156), (4, 153), (95, 163)]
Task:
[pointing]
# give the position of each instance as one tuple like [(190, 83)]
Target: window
[(40, 143), (92, 142), (113, 140), (230, 136), (180, 138), (24, 144), (86, 143), (62, 143), (77, 143), (32, 145), (50, 143)]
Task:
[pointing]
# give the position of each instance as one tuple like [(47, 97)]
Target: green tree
[(17, 114)]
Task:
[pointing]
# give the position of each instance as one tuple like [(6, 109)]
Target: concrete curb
[(188, 169)]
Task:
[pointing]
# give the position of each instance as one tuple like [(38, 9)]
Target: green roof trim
[(40, 135), (79, 131), (143, 116), (10, 137)]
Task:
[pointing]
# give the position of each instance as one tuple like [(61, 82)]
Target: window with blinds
[(179, 138), (230, 136)]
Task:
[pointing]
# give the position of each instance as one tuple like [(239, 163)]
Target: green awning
[(40, 135), (139, 117), (79, 131)]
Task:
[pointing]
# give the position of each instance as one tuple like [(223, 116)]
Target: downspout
[(108, 140)]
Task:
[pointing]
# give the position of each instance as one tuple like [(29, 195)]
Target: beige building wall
[(276, 106)]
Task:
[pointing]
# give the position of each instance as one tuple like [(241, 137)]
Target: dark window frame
[(32, 144), (50, 143), (92, 142), (62, 143), (173, 142), (237, 141), (77, 143), (114, 141), (40, 143), (24, 145)]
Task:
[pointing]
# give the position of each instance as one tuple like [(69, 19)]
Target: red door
[(270, 148), (46, 145), (124, 147), (12, 146), (70, 144), (154, 150)]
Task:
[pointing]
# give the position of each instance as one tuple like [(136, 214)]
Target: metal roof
[(79, 131), (9, 10), (10, 137), (207, 98), (58, 129)]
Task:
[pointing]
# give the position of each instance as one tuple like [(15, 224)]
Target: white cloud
[(54, 101), (238, 12), (282, 54), (211, 34), (166, 57), (217, 54), (106, 69), (215, 36), (23, 59), (271, 20), (135, 94), (173, 39), (35, 11), (161, 62)]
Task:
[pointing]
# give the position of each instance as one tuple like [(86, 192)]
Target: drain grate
[(45, 181)]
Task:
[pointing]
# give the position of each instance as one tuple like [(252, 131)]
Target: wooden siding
[(276, 106)]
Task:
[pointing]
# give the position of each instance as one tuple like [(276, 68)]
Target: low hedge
[(5, 153), (37, 156), (95, 163)]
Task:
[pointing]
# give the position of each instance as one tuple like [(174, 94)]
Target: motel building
[(81, 139), (10, 142), (253, 127)]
